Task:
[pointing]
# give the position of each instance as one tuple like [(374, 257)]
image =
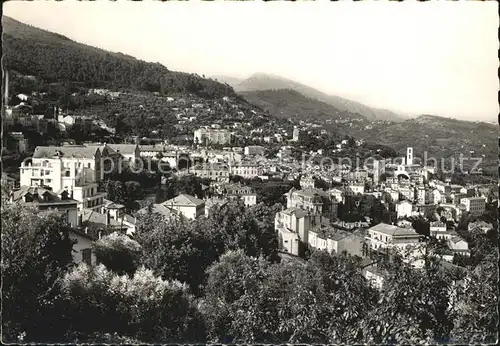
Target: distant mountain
[(227, 79), (54, 58), (291, 104), (262, 81)]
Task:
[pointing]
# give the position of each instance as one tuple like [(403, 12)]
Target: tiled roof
[(37, 192), (99, 220), (392, 230), (331, 233), (123, 148), (156, 208), (184, 200), (77, 151), (299, 213), (112, 205)]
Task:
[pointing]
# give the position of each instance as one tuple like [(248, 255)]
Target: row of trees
[(220, 279)]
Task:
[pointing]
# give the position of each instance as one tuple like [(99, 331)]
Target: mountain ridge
[(264, 81)]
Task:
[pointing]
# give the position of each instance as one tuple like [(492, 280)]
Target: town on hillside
[(148, 210)]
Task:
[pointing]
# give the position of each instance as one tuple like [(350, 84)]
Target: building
[(212, 202), (246, 170), (75, 169), (246, 193), (254, 150), (439, 230), (129, 152), (474, 205), (437, 227), (59, 166), (307, 182), (22, 144), (355, 189), (378, 170), (215, 172), (315, 201), (296, 134), (404, 209), (407, 193), (289, 241), (480, 225), (390, 236), (189, 206), (98, 223), (375, 275), (47, 200), (82, 249), (335, 241), (206, 136), (116, 212), (409, 156), (459, 246), (293, 225)]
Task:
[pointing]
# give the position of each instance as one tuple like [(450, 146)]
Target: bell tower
[(409, 156)]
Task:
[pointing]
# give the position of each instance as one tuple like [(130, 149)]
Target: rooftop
[(99, 220), (38, 193), (393, 230), (76, 151), (299, 213), (184, 200), (331, 233)]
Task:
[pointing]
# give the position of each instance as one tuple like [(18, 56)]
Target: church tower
[(409, 156)]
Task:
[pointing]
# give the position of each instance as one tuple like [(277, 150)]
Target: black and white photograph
[(250, 172)]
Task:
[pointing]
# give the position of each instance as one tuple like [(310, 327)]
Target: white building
[(254, 150), (245, 193), (404, 209), (75, 169), (246, 170), (212, 136), (405, 240), (189, 206), (474, 205), (47, 200)]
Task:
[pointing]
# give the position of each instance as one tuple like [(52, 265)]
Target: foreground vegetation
[(221, 279)]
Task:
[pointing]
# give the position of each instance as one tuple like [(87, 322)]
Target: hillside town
[(67, 177)]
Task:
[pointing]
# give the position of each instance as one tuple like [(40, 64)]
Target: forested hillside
[(289, 103), (263, 81), (55, 58)]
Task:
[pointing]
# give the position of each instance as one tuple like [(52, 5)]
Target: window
[(67, 173), (87, 256), (88, 165)]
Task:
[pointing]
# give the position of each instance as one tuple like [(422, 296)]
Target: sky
[(438, 57)]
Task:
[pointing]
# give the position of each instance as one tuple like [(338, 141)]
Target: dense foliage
[(242, 291), (36, 251)]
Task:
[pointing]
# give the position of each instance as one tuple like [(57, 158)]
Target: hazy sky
[(438, 57)]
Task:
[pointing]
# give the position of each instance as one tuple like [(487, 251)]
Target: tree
[(143, 306), (421, 226), (477, 315), (413, 307), (232, 278), (36, 252), (250, 300), (178, 250), (118, 253)]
